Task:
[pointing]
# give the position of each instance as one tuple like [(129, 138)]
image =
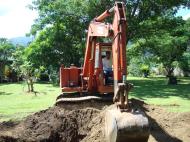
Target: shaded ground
[(78, 123)]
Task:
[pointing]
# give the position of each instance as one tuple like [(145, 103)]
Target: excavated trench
[(74, 123)]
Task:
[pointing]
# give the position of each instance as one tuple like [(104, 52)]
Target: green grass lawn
[(156, 91), (15, 103)]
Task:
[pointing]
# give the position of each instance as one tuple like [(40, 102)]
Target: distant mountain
[(21, 40)]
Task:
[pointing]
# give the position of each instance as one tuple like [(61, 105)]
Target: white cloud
[(15, 18)]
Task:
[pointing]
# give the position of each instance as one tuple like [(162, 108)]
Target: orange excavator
[(122, 122)]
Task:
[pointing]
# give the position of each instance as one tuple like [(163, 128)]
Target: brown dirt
[(74, 123)]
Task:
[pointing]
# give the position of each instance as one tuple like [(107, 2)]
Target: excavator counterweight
[(93, 82)]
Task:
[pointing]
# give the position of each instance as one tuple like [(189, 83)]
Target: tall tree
[(23, 67), (6, 50), (167, 40), (61, 25)]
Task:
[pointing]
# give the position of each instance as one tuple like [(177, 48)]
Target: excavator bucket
[(126, 126)]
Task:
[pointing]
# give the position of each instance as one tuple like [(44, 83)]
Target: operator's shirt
[(107, 65)]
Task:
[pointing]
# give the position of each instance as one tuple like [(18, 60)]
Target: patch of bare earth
[(73, 123)]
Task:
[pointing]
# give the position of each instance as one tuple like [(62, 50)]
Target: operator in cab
[(107, 66)]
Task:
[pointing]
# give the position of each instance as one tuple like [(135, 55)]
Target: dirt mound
[(80, 123), (54, 124)]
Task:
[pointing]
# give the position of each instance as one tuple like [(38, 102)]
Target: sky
[(184, 12), (16, 19)]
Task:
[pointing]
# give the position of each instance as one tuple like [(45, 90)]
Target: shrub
[(145, 70), (44, 77), (134, 67), (54, 78)]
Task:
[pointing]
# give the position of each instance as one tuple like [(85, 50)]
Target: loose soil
[(85, 123)]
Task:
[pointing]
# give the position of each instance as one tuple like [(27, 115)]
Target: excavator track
[(74, 100), (86, 98)]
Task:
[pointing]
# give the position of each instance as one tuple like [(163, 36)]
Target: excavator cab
[(107, 63), (104, 78)]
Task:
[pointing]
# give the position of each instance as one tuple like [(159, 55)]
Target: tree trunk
[(172, 80), (28, 85), (145, 75), (31, 85)]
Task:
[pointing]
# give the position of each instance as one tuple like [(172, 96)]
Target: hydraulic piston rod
[(104, 15)]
